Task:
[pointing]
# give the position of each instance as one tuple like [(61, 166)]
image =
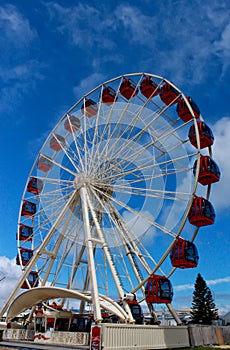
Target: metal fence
[(123, 336)]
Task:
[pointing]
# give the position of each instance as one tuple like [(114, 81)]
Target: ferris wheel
[(117, 194)]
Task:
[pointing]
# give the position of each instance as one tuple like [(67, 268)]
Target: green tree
[(203, 306)]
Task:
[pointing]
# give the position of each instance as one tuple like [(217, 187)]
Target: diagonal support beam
[(90, 253)]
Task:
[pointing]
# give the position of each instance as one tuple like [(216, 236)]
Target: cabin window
[(40, 324)]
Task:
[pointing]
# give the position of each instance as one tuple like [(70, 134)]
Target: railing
[(127, 337), (49, 337), (18, 334)]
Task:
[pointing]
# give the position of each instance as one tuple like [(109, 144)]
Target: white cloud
[(209, 283), (183, 287), (16, 40), (18, 81), (219, 280), (15, 28), (113, 58), (222, 47), (225, 40), (90, 27), (86, 26), (138, 27), (21, 72), (178, 41), (220, 193), (87, 84), (217, 12), (11, 272)]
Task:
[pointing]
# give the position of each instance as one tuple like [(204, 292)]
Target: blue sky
[(52, 53)]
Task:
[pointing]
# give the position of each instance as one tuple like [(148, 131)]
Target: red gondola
[(26, 255), (45, 164), (136, 311), (32, 279), (72, 123), (202, 212), (184, 254), (89, 108), (108, 95), (149, 87), (57, 142), (25, 233), (209, 171), (183, 111), (128, 88), (205, 133), (158, 289), (35, 185), (28, 208), (168, 94), (135, 308)]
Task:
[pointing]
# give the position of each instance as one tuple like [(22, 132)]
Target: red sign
[(95, 338)]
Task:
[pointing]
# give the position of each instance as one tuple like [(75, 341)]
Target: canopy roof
[(37, 295)]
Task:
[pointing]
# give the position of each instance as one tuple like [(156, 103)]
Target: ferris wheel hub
[(81, 180)]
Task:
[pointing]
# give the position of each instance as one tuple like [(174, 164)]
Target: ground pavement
[(13, 345)]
